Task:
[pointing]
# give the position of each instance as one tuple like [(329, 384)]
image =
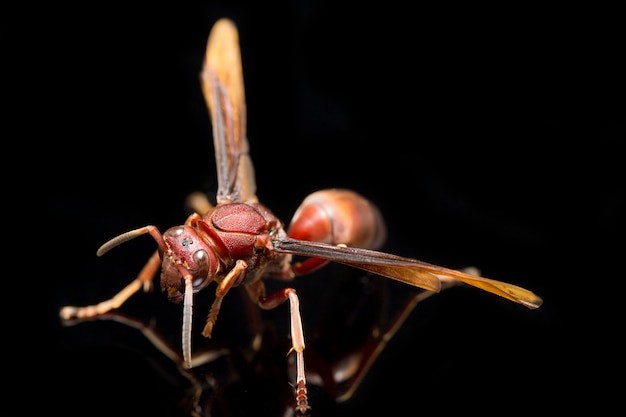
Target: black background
[(487, 137)]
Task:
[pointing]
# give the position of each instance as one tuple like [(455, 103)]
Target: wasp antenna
[(124, 237), (187, 316)]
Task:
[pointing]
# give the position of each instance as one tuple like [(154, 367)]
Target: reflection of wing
[(410, 271), (222, 85)]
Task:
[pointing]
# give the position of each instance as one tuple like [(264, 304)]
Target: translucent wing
[(222, 85), (410, 271)]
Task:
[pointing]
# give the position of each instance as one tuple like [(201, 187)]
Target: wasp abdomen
[(339, 216)]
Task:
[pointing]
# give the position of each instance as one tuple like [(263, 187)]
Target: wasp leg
[(199, 203), (224, 286), (267, 302), (144, 279)]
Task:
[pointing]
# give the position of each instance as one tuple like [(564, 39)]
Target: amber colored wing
[(223, 88), (410, 271)]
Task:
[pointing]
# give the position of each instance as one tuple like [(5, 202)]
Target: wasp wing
[(503, 289), (391, 266), (223, 89), (410, 271)]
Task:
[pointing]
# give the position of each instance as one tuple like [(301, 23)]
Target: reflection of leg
[(375, 346), (353, 372), (191, 402), (144, 279)]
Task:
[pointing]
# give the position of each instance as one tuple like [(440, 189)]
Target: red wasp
[(239, 241)]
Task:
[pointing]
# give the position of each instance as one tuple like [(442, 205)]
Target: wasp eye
[(203, 263), (201, 257), (176, 231)]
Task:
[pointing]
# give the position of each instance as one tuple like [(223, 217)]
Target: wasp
[(238, 241)]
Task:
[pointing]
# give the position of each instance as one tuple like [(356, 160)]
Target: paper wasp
[(239, 242)]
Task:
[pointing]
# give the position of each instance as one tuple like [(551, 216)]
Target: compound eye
[(202, 266), (174, 232)]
